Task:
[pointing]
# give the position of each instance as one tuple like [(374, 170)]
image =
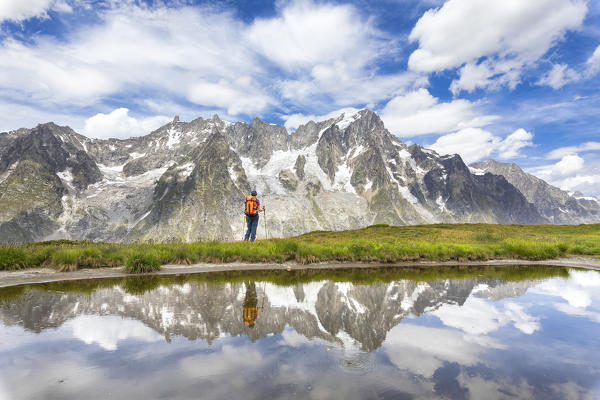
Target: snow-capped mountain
[(186, 181)]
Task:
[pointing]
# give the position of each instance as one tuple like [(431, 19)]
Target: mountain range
[(186, 181)]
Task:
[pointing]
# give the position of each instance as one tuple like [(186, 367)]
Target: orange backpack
[(251, 205)]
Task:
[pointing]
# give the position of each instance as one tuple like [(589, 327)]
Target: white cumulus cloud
[(593, 63), (307, 35), (19, 10), (293, 121), (572, 150), (232, 96), (118, 124), (571, 173), (50, 74), (510, 146), (419, 113), (330, 54), (312, 54), (491, 41), (568, 166), (474, 144), (559, 76), (169, 51), (16, 116)]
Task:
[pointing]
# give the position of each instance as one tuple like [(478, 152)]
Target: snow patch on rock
[(402, 189), (266, 180), (173, 138), (65, 175), (186, 169), (357, 151), (441, 203), (404, 155), (232, 173), (342, 179), (476, 171), (347, 119)]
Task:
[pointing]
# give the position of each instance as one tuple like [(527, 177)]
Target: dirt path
[(39, 275)]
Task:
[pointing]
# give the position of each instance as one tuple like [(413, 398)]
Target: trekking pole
[(243, 227), (266, 232)]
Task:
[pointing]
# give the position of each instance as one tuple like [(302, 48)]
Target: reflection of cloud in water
[(48, 376), (578, 290), (3, 391), (107, 331), (580, 312), (572, 391), (500, 388), (12, 336), (422, 350), (289, 337), (316, 378), (228, 360), (478, 316)]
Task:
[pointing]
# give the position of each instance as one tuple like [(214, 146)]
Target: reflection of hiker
[(250, 305), (252, 209)]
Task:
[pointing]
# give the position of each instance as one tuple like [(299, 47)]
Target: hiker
[(252, 208)]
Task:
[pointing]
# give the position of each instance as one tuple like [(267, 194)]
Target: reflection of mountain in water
[(355, 315)]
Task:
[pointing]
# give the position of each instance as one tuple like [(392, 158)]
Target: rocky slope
[(186, 181), (558, 206)]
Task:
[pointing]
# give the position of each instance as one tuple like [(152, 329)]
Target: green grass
[(378, 243), (142, 263)]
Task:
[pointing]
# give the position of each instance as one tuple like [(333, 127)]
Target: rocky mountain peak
[(186, 181), (557, 205), (491, 164), (57, 150)]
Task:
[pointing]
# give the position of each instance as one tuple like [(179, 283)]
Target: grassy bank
[(379, 243)]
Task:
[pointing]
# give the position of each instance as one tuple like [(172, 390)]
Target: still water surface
[(478, 334)]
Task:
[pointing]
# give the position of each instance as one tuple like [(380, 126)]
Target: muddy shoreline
[(41, 275)]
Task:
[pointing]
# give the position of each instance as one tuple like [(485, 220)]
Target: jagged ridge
[(186, 181)]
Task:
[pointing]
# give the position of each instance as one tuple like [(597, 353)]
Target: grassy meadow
[(378, 243)]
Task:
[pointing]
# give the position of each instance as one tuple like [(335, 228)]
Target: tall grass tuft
[(142, 263), (11, 258)]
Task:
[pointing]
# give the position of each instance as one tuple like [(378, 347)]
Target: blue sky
[(512, 80)]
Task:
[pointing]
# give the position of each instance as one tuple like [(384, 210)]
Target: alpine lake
[(510, 332)]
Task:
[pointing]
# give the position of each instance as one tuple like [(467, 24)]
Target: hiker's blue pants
[(252, 224)]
